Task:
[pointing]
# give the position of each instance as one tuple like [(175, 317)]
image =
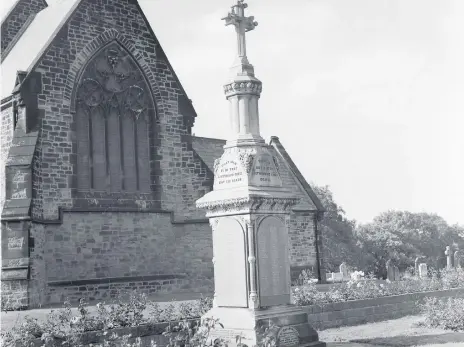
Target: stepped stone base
[(288, 324)]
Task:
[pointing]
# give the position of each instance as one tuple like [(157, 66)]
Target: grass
[(405, 332)]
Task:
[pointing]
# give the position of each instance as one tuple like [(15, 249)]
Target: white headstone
[(273, 269), (229, 264), (344, 270), (423, 270)]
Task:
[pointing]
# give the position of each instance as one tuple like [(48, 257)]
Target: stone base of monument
[(288, 324)]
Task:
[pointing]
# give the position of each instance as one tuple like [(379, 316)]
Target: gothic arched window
[(113, 104)]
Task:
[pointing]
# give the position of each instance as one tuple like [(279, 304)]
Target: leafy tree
[(338, 233), (402, 236)]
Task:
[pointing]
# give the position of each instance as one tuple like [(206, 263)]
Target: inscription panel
[(273, 263), (229, 173), (264, 172), (15, 241), (230, 264), (288, 337)]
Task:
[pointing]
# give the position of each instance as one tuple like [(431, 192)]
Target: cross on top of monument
[(242, 24)]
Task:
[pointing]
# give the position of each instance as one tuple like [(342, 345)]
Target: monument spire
[(244, 89)]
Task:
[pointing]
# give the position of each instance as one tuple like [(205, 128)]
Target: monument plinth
[(249, 211)]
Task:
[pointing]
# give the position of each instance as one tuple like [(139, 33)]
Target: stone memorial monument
[(449, 258), (423, 273), (248, 210)]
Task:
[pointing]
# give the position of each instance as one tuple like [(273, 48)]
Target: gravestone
[(449, 258), (344, 271), (390, 271), (416, 265), (423, 273), (457, 259), (396, 273)]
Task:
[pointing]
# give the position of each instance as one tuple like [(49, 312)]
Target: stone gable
[(16, 22)]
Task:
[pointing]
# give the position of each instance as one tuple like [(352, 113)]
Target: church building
[(99, 170)]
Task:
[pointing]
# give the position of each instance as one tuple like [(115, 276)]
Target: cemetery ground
[(402, 332), (439, 323)]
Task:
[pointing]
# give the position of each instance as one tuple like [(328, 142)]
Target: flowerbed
[(447, 314), (70, 329), (359, 288)]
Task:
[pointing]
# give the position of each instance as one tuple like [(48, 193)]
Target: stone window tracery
[(113, 108)]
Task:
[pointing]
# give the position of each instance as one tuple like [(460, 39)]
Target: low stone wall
[(100, 290), (371, 310)]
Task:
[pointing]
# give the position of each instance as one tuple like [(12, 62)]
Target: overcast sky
[(367, 96)]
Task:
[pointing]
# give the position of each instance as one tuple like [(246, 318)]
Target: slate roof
[(208, 149), (34, 41)]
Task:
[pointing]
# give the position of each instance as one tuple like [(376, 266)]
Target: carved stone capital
[(253, 87), (247, 205)]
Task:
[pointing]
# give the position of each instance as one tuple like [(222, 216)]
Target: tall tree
[(338, 237), (402, 236)]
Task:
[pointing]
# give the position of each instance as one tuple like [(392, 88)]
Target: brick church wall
[(146, 250), (6, 136), (302, 244), (97, 256)]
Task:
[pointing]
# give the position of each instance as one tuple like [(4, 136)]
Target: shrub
[(446, 314), (359, 288), (129, 311), (193, 333)]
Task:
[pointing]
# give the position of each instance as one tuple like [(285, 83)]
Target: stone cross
[(449, 261), (242, 25)]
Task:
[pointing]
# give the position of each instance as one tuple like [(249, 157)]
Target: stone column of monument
[(249, 212)]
